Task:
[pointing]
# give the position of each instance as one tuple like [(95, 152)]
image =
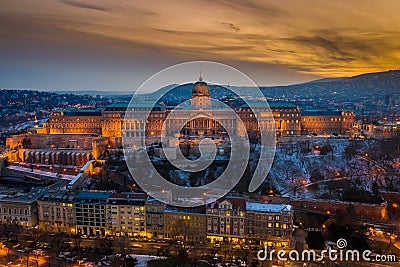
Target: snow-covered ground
[(143, 259), (40, 172), (294, 163), (293, 167)]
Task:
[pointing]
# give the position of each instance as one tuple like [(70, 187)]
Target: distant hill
[(174, 94), (369, 85), (95, 92), (346, 88), (382, 83), (327, 80), (376, 80)]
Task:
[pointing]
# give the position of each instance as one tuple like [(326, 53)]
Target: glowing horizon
[(103, 45)]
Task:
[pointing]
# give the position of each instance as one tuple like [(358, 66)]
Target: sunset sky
[(116, 45)]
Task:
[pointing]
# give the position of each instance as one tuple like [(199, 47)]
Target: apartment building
[(269, 224), (21, 209), (90, 212), (185, 225), (226, 220), (56, 211), (126, 214), (154, 219)]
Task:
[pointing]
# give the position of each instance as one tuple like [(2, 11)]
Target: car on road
[(217, 245), (38, 251), (256, 247), (218, 258)]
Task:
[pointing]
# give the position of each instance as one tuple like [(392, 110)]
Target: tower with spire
[(201, 98), (36, 120)]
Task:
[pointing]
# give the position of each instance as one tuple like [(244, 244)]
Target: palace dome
[(200, 88)]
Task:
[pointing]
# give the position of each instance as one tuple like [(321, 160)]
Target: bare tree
[(123, 244), (16, 230), (104, 245), (188, 239), (77, 244)]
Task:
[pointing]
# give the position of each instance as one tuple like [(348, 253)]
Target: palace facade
[(143, 120), (331, 121), (75, 121), (286, 117)]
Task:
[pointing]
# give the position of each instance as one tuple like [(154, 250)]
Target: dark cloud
[(331, 48), (84, 5), (253, 7), (231, 25)]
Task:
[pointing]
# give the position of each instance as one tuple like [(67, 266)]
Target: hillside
[(351, 88), (371, 85)]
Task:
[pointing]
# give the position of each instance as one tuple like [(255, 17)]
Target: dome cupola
[(200, 89)]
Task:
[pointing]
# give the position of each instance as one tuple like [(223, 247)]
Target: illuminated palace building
[(111, 121), (201, 116), (73, 121)]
